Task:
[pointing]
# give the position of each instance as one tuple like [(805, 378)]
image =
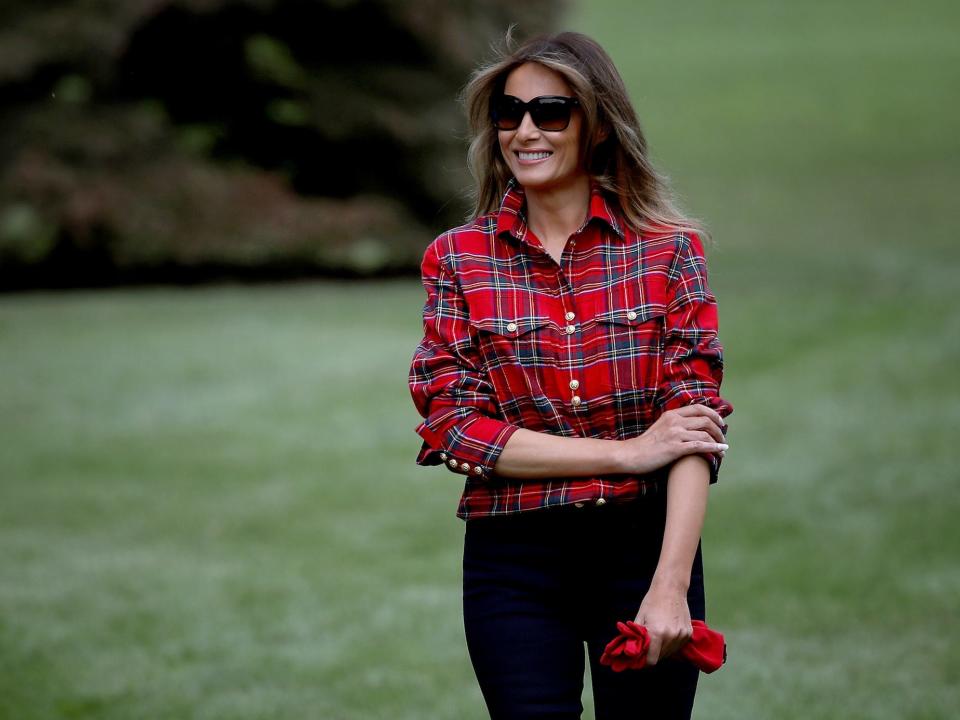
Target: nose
[(527, 127)]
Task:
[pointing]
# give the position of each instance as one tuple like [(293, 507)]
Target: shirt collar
[(512, 220)]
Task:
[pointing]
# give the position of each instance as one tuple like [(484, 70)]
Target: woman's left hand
[(666, 615)]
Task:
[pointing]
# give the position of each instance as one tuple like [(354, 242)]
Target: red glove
[(628, 651)]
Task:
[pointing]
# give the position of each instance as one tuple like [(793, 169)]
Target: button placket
[(575, 400), (574, 357)]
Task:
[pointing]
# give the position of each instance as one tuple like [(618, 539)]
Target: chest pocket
[(627, 342), (526, 342)]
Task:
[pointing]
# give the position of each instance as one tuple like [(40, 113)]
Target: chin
[(532, 179)]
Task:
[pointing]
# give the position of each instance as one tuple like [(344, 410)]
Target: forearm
[(531, 455), (687, 490), (695, 428)]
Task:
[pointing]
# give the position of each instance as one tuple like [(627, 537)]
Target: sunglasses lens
[(551, 114), (506, 113)]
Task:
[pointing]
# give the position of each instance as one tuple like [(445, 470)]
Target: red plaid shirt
[(624, 328)]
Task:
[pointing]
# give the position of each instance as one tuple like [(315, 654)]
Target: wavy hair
[(618, 162)]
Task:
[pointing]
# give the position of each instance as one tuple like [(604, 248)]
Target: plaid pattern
[(624, 328)]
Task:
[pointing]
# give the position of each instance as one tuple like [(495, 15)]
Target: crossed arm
[(676, 437)]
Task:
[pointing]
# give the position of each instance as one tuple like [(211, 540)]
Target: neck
[(555, 214)]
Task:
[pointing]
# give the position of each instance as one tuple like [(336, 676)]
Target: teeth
[(534, 155)]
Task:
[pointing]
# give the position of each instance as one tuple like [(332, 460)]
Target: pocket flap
[(628, 314), (511, 327)]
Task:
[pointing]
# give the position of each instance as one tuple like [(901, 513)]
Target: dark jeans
[(538, 585)]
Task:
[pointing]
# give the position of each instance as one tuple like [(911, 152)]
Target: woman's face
[(540, 159)]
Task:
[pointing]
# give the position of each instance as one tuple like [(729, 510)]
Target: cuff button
[(465, 467), (453, 463)]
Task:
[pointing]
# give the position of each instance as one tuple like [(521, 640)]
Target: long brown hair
[(618, 162)]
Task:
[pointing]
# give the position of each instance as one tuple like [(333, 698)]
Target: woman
[(570, 370)]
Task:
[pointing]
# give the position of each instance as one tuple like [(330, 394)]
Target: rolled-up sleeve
[(692, 354), (451, 391)]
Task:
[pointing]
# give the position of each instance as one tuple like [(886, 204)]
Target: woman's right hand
[(683, 431)]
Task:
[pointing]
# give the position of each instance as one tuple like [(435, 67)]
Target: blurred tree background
[(187, 139)]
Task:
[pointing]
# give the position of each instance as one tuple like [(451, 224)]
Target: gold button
[(575, 400), (601, 501), (570, 315), (579, 504), (465, 467), (631, 315), (574, 384), (511, 327), (478, 470), (453, 462), (443, 456), (570, 329)]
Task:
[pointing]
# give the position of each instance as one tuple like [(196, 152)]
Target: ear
[(603, 133)]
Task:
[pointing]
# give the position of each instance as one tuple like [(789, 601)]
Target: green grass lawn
[(209, 506)]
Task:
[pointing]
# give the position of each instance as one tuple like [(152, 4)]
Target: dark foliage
[(179, 139)]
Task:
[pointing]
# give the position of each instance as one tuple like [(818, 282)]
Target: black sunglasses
[(548, 112)]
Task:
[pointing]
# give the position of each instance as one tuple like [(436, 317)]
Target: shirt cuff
[(470, 447), (716, 402)]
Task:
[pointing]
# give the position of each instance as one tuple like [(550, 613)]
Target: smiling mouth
[(533, 156)]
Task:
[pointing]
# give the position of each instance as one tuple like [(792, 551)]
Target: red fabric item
[(628, 651), (598, 345)]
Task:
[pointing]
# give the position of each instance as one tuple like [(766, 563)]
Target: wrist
[(634, 455), (670, 581)]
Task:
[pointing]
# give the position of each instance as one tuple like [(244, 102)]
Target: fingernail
[(722, 446)]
